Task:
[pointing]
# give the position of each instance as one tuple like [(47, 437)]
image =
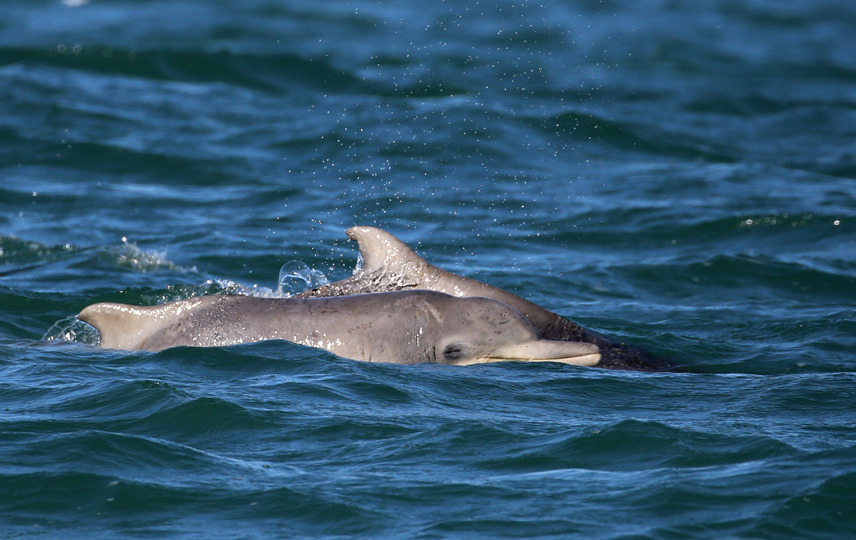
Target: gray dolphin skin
[(403, 327), (390, 265)]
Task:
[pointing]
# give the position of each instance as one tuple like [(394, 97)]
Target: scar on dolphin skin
[(390, 265), (405, 327)]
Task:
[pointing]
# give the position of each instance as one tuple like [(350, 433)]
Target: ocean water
[(679, 175)]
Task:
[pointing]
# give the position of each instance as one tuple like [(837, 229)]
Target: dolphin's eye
[(453, 351)]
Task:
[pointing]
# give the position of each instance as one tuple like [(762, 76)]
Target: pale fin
[(126, 327), (382, 251)]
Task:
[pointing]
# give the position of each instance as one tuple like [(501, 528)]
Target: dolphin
[(388, 264), (404, 327)]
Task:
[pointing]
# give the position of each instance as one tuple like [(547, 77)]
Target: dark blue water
[(681, 176)]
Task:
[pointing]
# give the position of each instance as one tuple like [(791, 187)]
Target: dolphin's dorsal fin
[(382, 251), (122, 326), (385, 254)]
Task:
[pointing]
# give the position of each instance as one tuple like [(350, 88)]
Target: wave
[(149, 503), (269, 73), (271, 435), (576, 127), (828, 507), (656, 446)]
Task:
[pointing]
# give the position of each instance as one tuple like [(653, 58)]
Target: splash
[(296, 277), (14, 250), (227, 286), (73, 329), (129, 255)]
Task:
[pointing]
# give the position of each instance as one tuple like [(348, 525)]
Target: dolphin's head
[(487, 330)]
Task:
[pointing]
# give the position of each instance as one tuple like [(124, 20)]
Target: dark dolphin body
[(390, 265)]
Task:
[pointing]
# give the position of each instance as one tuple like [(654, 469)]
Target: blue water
[(681, 176)]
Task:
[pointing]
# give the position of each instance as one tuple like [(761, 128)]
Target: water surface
[(680, 177)]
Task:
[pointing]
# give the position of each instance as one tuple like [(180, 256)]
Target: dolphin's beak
[(543, 350)]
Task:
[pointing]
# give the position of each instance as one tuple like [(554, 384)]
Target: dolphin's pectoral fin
[(543, 350)]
